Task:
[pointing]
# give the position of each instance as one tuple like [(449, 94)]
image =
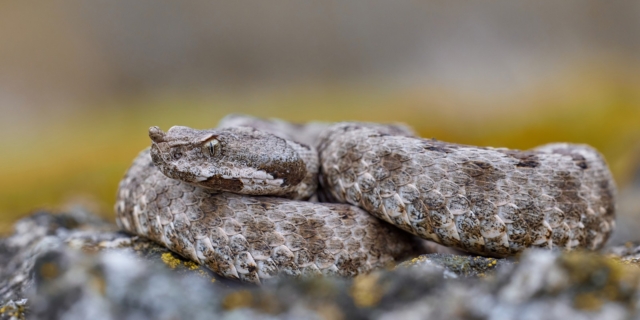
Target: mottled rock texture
[(74, 266)]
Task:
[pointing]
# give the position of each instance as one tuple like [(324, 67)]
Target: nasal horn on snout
[(156, 134)]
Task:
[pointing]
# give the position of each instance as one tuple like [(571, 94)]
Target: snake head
[(241, 160), (156, 134)]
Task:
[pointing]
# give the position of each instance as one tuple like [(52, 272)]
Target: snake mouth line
[(263, 182), (247, 181), (235, 174)]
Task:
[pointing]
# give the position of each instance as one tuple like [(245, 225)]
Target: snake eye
[(176, 153), (211, 147)]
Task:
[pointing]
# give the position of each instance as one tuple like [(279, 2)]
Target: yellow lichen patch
[(632, 261), (98, 282), (467, 266), (191, 265), (12, 312), (588, 301), (329, 311), (49, 270), (418, 259), (204, 274), (598, 279), (321, 289), (412, 262), (89, 249), (237, 299), (170, 260), (366, 291), (268, 303)]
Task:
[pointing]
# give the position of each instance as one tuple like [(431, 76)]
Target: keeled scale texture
[(303, 133), (307, 133), (483, 200), (253, 238)]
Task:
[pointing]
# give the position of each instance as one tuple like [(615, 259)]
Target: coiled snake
[(209, 195)]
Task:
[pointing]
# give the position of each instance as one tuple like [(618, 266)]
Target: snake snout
[(156, 134)]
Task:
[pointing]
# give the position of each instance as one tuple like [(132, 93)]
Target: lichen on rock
[(75, 266)]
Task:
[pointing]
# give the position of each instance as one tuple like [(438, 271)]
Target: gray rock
[(74, 266), (627, 214)]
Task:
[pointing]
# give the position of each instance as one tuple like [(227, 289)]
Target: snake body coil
[(488, 201), (482, 200)]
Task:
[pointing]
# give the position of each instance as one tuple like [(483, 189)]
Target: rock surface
[(75, 266)]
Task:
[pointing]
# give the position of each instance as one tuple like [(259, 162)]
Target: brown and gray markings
[(241, 160), (482, 200), (254, 238), (488, 201)]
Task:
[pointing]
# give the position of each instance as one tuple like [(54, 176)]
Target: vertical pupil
[(211, 148)]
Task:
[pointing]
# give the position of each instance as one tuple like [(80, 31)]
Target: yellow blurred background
[(81, 81)]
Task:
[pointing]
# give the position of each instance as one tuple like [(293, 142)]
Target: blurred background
[(81, 81)]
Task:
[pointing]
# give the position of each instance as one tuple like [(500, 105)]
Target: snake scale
[(232, 198)]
